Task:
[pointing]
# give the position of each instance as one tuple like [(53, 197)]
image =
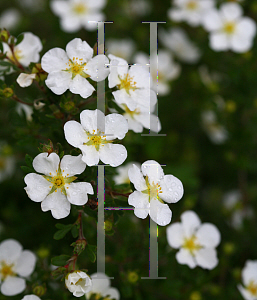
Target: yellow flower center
[(229, 27), (6, 270), (153, 190), (191, 244), (96, 139), (131, 112), (58, 181), (127, 83), (76, 67), (18, 55), (252, 288), (80, 8), (192, 5)]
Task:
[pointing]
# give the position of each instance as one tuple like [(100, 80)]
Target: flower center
[(97, 296), (18, 55), (131, 112), (76, 67), (96, 139), (80, 9), (192, 5), (252, 288), (229, 27), (58, 181), (153, 190), (127, 83), (6, 270), (191, 244)]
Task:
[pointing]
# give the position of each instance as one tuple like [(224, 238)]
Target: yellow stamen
[(191, 244), (127, 83), (192, 5), (229, 27), (6, 270), (80, 8), (252, 288)]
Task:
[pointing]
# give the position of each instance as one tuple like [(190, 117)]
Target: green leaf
[(6, 63), (27, 169), (75, 231), (1, 48), (19, 39), (60, 260), (29, 160), (60, 234), (91, 252)]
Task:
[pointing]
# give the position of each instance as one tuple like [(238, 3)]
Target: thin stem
[(14, 97)]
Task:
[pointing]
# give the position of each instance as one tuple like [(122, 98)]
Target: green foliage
[(64, 229)]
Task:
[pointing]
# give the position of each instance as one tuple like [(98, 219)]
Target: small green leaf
[(60, 260), (5, 63), (60, 234), (75, 231), (91, 252), (19, 39), (29, 160), (27, 169)]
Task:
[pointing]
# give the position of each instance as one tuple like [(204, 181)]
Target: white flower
[(69, 70), (94, 143), (14, 261), (152, 187), (122, 176), (25, 80), (20, 108), (196, 241), (191, 11), (30, 297), (249, 278), (216, 132), (101, 286), (121, 48), (229, 30), (26, 51), (177, 41), (10, 18), (78, 283), (140, 118), (76, 14), (167, 70), (133, 83), (55, 189)]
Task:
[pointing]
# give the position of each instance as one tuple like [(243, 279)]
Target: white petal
[(10, 251), (206, 258), (231, 11), (185, 258), (219, 41), (96, 4), (91, 120), (80, 49), (153, 170), (172, 189), (113, 293), (246, 27), (141, 204), (13, 286), (90, 155), (249, 272), (175, 235), (136, 177), (75, 134), (25, 80), (116, 126), (92, 16), (144, 97), (72, 165), (212, 20), (140, 75), (113, 154), (26, 263), (100, 283), (58, 82), (240, 43), (37, 187), (30, 297), (58, 204), (245, 293), (77, 192), (46, 164), (149, 121), (97, 68), (54, 60), (79, 85), (70, 23), (190, 222), (121, 96), (60, 7), (133, 124), (160, 213), (208, 235)]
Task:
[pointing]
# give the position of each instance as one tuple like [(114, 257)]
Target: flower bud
[(132, 277), (78, 283), (4, 35), (79, 246), (7, 92), (39, 290)]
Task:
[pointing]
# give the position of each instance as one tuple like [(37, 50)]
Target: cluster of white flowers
[(196, 241), (249, 278), (152, 188), (76, 14), (229, 30), (15, 264)]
